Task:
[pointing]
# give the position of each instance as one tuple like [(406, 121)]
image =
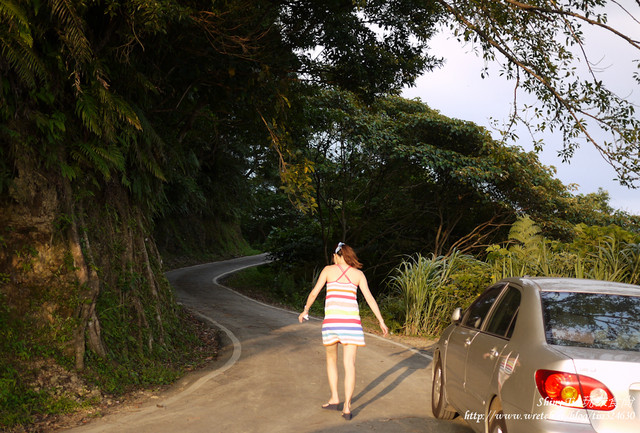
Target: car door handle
[(493, 353), (467, 342)]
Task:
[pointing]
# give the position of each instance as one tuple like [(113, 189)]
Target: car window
[(477, 312), (512, 325), (596, 320), (503, 318)]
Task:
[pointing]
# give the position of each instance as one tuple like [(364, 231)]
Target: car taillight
[(574, 390)]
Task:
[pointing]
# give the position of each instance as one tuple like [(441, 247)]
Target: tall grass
[(427, 289), (632, 257)]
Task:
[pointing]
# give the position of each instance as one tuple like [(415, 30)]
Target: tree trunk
[(93, 324), (445, 228), (89, 287), (151, 279)]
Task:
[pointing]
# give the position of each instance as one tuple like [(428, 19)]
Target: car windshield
[(596, 320)]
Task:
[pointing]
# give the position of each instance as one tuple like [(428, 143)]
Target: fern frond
[(69, 172), (16, 42), (525, 230), (73, 30), (148, 161), (103, 159), (119, 108), (88, 111), (16, 60), (113, 155), (15, 20)]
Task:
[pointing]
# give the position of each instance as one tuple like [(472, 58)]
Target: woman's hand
[(303, 316), (385, 330)]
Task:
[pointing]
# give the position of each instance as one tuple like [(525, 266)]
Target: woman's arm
[(371, 301), (322, 280)]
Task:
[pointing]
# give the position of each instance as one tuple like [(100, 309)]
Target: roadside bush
[(601, 253), (425, 290)]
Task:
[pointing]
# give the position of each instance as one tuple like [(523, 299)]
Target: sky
[(457, 90)]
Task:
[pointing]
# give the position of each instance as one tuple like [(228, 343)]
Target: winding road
[(270, 374)]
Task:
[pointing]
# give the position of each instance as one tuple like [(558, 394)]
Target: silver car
[(543, 355)]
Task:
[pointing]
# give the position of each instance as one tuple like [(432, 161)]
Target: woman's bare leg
[(332, 372), (349, 355)]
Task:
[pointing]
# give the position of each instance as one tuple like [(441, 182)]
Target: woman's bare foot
[(346, 411), (331, 406)]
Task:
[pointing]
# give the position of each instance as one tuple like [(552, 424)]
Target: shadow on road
[(406, 368), (408, 424), (273, 352)]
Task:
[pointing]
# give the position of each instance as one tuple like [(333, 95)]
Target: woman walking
[(342, 320)]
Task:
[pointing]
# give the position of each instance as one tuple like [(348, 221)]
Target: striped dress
[(341, 316)]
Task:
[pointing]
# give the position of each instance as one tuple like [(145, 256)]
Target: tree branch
[(511, 57), (559, 11)]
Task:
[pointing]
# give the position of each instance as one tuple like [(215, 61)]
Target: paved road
[(270, 375)]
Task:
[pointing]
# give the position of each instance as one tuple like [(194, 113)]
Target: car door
[(459, 341), (486, 349)]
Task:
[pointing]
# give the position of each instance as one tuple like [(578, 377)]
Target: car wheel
[(496, 420), (438, 402)]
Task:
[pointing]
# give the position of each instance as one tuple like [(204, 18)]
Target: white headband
[(340, 245)]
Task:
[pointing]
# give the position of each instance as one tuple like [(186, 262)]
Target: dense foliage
[(123, 123), (425, 291), (396, 177)]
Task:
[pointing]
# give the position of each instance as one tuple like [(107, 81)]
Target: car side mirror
[(456, 315)]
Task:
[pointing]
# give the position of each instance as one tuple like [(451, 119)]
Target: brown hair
[(349, 256)]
